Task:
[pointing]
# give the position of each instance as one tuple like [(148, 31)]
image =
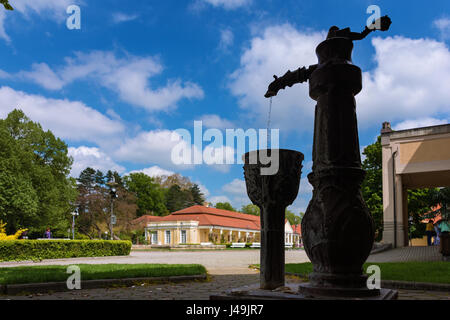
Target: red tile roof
[(437, 218), (216, 217), (145, 220), (297, 229), (210, 217)]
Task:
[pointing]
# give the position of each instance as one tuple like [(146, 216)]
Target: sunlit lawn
[(433, 272), (42, 274)]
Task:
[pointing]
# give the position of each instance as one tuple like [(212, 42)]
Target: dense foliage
[(60, 249), (225, 206), (35, 188), (293, 218), (149, 195), (251, 209), (95, 202)]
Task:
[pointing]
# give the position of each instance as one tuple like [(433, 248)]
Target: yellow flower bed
[(5, 237)]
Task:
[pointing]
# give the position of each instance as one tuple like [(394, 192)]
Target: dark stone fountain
[(338, 229), (273, 194)]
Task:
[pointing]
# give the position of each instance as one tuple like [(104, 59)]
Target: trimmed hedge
[(23, 250)]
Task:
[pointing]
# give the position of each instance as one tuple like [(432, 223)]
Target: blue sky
[(116, 89)]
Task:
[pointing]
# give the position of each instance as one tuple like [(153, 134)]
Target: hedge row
[(41, 249)]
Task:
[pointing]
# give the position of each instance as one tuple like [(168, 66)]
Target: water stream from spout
[(269, 122)]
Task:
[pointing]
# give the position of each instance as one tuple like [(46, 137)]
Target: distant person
[(48, 234), (24, 235), (437, 238), (430, 232)]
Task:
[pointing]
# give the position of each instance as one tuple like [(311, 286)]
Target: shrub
[(80, 236), (5, 237), (43, 249)]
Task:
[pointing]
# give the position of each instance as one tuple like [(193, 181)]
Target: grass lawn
[(42, 274), (433, 272)]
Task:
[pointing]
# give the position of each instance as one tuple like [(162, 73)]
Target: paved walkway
[(407, 254), (228, 269)]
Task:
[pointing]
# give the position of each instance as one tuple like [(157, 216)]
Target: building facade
[(412, 159), (202, 225)]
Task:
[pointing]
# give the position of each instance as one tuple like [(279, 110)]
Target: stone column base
[(291, 292), (310, 290)]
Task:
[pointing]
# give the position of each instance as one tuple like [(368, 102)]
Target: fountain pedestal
[(338, 229), (273, 193)]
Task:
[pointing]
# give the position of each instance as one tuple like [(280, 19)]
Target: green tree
[(251, 209), (225, 206), (94, 204), (419, 204), (372, 187), (293, 218), (197, 196), (35, 188), (149, 195), (178, 199)]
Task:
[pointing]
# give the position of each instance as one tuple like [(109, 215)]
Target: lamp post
[(113, 193), (74, 214)]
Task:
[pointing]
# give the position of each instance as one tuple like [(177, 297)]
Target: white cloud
[(216, 122), (236, 193), (203, 190), (443, 24), (410, 80), (305, 187), (71, 120), (44, 76), (154, 171), (236, 187), (85, 157), (150, 147), (119, 17), (53, 9), (128, 76), (157, 147), (276, 50), (217, 199), (419, 123), (228, 4), (226, 39)]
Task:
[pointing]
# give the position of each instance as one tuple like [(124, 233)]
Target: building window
[(183, 237), (154, 237), (167, 238)]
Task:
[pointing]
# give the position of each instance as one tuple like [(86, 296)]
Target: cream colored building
[(205, 225), (412, 159)]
